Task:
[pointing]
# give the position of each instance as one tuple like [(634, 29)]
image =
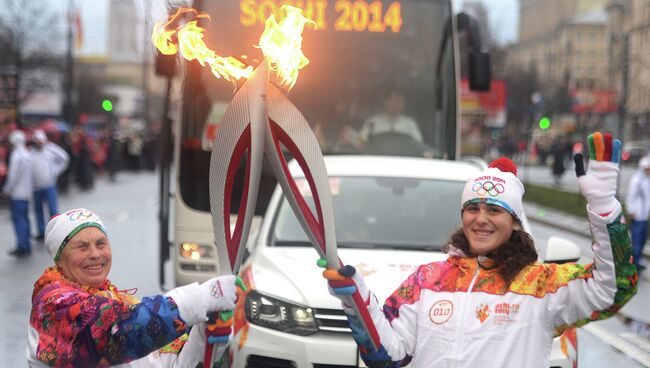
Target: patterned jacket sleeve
[(395, 324), (78, 329), (580, 294)]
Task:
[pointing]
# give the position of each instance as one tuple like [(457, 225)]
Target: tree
[(29, 31)]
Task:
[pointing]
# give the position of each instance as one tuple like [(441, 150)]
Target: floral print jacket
[(78, 326)]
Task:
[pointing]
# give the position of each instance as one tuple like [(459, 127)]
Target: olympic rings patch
[(80, 215), (488, 188)]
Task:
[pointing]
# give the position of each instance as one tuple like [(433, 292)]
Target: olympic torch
[(259, 121)]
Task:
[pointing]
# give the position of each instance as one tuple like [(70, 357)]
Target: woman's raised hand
[(598, 183)]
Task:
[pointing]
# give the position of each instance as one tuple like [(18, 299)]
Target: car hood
[(290, 273)]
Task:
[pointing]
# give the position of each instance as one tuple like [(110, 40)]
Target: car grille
[(332, 320), (258, 361)]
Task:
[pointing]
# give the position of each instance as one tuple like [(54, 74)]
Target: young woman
[(491, 303), (80, 319)]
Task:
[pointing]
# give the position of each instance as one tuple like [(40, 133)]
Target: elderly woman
[(491, 303), (80, 319)]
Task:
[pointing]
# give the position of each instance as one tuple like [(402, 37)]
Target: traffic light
[(544, 122), (107, 105)]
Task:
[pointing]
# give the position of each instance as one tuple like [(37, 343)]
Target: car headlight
[(279, 315), (195, 251)]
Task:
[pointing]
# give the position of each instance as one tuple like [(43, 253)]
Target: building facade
[(565, 44), (629, 52)]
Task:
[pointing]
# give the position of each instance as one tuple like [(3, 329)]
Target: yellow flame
[(163, 32), (189, 38), (281, 42), (192, 47)]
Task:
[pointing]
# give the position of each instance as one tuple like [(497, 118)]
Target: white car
[(391, 215)]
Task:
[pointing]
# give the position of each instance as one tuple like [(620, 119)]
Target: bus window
[(381, 80)]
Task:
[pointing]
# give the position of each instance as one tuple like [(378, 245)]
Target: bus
[(369, 61)]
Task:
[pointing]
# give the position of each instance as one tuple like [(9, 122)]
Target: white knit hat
[(498, 185), (17, 138), (64, 226)]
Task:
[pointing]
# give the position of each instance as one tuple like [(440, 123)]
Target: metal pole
[(165, 176)]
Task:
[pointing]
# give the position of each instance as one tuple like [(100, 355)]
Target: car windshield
[(380, 212)]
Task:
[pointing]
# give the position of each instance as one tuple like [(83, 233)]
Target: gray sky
[(502, 16)]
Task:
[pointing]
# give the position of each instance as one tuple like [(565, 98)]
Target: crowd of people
[(36, 165)]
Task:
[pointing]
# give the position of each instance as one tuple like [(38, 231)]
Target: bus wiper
[(291, 243)]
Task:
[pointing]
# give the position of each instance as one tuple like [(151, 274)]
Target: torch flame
[(190, 41), (192, 47), (280, 42)]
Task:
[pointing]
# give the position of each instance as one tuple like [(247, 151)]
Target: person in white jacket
[(637, 202), (80, 319), (48, 162), (18, 187), (491, 303)]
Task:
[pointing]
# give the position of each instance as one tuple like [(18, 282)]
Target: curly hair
[(511, 257)]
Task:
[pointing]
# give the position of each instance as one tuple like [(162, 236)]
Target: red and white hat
[(498, 185), (64, 226)]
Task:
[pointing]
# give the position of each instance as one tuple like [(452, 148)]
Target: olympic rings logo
[(488, 188), (80, 216)]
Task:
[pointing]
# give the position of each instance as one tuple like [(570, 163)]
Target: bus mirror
[(165, 65), (479, 71)]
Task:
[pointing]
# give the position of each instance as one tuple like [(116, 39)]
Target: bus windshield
[(381, 80)]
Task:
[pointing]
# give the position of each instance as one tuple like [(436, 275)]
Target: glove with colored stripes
[(598, 184), (344, 282)]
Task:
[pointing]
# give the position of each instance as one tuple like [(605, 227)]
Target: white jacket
[(637, 199), (457, 314), (19, 178), (48, 163)]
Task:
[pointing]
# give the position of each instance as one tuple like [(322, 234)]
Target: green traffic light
[(107, 105), (544, 122)]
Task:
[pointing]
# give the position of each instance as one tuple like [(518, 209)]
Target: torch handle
[(361, 309), (217, 332)]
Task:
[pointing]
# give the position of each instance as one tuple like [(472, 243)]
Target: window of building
[(577, 71)]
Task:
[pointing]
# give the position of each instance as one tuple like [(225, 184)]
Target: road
[(129, 207)]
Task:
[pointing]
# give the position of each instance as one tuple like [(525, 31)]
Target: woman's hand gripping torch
[(219, 328)]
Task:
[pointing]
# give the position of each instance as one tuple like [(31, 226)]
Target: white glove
[(599, 186), (599, 183), (219, 293), (195, 301)]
